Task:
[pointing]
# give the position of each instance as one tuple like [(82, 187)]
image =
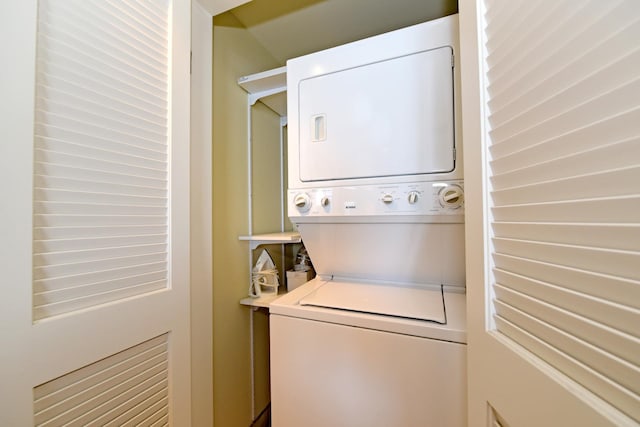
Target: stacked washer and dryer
[(376, 191)]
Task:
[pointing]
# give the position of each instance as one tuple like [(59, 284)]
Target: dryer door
[(388, 118)]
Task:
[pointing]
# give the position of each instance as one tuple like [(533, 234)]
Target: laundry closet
[(250, 155)]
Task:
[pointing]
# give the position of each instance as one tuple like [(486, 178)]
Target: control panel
[(424, 198)]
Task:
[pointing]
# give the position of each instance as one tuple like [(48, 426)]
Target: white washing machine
[(376, 191), (344, 369)]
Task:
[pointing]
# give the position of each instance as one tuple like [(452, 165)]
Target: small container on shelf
[(296, 278), (302, 270)]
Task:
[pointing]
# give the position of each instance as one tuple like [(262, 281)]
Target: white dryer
[(376, 191)]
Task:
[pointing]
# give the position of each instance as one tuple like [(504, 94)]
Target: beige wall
[(266, 208), (236, 53)]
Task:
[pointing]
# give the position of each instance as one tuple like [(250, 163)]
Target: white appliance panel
[(325, 374), (388, 118), (441, 201), (412, 302), (454, 331), (423, 254), (381, 110)]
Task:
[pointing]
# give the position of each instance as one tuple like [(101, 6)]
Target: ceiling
[(290, 28)]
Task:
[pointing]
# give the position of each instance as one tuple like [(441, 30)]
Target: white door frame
[(201, 216)]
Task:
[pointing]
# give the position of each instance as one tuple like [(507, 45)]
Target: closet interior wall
[(237, 53)]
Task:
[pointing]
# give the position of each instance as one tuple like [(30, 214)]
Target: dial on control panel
[(451, 196), (412, 198), (387, 199), (302, 202)]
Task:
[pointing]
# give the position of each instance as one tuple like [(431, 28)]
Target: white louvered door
[(94, 163), (551, 107)]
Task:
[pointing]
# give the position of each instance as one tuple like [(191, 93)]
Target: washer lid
[(410, 302)]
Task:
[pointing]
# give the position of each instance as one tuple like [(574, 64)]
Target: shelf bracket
[(256, 96)]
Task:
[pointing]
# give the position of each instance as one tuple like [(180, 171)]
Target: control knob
[(451, 196), (413, 197), (387, 199), (302, 202)]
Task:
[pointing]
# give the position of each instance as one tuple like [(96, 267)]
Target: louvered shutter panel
[(564, 179), (101, 166), (129, 388)]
